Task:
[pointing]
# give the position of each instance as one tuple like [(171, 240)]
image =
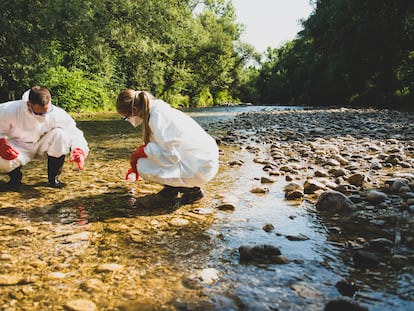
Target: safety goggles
[(126, 117), (36, 113), (129, 113)]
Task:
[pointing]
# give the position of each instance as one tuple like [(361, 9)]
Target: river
[(158, 252)]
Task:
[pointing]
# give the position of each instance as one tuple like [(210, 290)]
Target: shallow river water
[(56, 241)]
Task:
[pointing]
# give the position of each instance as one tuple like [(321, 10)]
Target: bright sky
[(270, 22)]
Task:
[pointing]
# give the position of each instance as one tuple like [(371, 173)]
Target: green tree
[(350, 52)]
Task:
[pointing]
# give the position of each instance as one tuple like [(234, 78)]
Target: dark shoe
[(54, 169), (191, 195), (169, 192), (15, 177), (156, 201), (57, 184)]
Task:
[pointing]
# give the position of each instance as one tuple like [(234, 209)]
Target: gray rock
[(294, 195), (334, 201), (312, 185), (375, 196), (356, 179)]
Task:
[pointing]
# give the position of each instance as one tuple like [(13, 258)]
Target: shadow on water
[(116, 203)]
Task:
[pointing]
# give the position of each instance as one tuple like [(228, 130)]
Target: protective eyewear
[(126, 117), (40, 113), (129, 113)]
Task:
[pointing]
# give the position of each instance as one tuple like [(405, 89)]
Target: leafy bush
[(75, 91), (176, 100), (223, 97), (205, 98)]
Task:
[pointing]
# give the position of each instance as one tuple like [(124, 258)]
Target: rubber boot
[(15, 177), (54, 169), (191, 195), (169, 192)]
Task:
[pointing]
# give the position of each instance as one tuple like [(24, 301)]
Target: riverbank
[(89, 247), (363, 163)]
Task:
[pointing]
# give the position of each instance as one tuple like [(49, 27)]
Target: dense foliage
[(350, 52), (188, 52), (85, 51)]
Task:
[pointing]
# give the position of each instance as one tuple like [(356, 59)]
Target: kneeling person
[(33, 127)]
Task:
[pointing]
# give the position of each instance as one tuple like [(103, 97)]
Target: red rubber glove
[(78, 156), (7, 152), (131, 175), (139, 153)]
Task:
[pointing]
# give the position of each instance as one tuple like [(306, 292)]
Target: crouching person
[(177, 152), (33, 127)]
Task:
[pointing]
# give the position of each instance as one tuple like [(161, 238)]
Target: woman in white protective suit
[(33, 127), (176, 151)]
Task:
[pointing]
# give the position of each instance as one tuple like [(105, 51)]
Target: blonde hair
[(140, 100)]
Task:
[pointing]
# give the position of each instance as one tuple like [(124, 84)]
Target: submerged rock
[(343, 305), (346, 288), (261, 254), (80, 305), (364, 259)]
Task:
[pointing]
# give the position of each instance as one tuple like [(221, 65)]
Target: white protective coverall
[(180, 153), (54, 134)]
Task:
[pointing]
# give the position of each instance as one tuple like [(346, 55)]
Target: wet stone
[(381, 245), (399, 261), (356, 179), (374, 196), (259, 254), (80, 305), (10, 279), (226, 207), (179, 222), (259, 190), (346, 288), (268, 227), (298, 237), (109, 267), (341, 304), (364, 259), (312, 186), (208, 275), (92, 285), (334, 201)]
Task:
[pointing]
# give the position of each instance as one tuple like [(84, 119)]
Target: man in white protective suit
[(33, 127)]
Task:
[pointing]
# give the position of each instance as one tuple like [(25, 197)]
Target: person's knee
[(6, 166), (59, 134), (55, 143)]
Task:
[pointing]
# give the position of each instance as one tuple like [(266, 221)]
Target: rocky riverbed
[(91, 247)]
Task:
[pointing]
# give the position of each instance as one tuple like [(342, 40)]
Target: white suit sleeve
[(76, 135)]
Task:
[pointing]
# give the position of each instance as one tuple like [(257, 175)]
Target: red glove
[(131, 175), (7, 152), (139, 153), (78, 156)]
